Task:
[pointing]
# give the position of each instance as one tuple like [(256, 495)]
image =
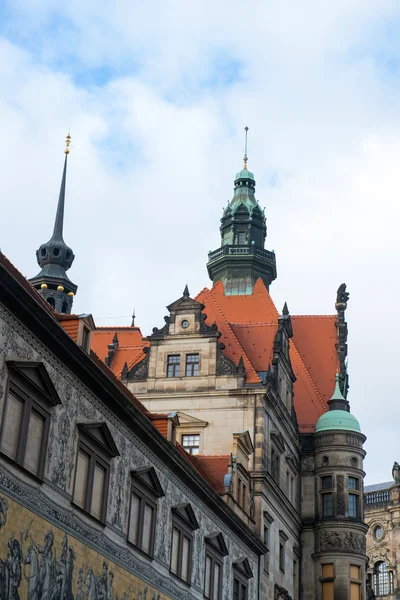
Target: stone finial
[(186, 292)]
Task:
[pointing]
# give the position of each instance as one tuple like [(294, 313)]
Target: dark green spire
[(242, 258), (55, 258)]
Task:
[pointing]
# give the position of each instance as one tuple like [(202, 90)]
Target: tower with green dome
[(333, 536), (242, 258)]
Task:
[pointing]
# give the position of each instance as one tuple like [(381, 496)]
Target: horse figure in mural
[(31, 560)]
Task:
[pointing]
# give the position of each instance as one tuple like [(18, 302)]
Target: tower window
[(352, 483), (327, 505), (192, 365), (191, 443), (326, 482), (56, 251), (353, 502), (241, 238), (173, 365)]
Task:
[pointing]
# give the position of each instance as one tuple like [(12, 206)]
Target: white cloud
[(157, 143)]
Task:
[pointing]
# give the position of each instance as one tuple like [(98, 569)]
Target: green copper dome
[(337, 419), (244, 174)]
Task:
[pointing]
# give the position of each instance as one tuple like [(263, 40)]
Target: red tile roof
[(130, 346), (212, 468), (248, 325), (71, 325)]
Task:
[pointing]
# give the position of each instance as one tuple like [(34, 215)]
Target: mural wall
[(40, 562)]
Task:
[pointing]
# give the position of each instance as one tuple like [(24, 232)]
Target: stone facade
[(51, 548), (382, 515)]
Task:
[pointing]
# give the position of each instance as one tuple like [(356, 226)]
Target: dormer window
[(26, 416), (96, 448), (86, 339)]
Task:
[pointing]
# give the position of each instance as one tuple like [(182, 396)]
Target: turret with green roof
[(338, 416), (242, 258)]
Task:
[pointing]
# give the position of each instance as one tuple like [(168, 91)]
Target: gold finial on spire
[(245, 149), (67, 143)]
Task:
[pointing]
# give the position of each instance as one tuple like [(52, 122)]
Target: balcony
[(241, 251)]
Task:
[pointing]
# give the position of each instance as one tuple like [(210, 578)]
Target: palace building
[(261, 400), (215, 458)]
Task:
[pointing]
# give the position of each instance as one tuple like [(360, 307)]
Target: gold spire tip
[(245, 149), (67, 143)]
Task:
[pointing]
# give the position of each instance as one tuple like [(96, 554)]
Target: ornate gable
[(34, 375), (100, 434)]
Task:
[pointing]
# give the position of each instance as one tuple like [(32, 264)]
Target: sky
[(156, 96)]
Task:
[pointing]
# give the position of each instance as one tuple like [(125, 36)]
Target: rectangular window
[(192, 365), (353, 502), (86, 339), (241, 238), (355, 586), (244, 496), (98, 491), (181, 551), (24, 430), (173, 365), (282, 556), (275, 466), (326, 482), (266, 542), (239, 588), (142, 516), (328, 592), (327, 505), (191, 443), (91, 482), (352, 483), (213, 569)]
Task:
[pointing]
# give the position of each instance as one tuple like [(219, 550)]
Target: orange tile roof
[(70, 323), (130, 346), (248, 325), (212, 468)]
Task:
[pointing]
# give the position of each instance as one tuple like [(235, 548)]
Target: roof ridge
[(266, 293), (259, 324), (324, 406), (313, 316), (234, 336)]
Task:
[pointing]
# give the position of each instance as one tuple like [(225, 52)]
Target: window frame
[(192, 365), (95, 458), (95, 440), (217, 558), (241, 574), (35, 400), (188, 449), (174, 365), (241, 238), (147, 497), (186, 530)]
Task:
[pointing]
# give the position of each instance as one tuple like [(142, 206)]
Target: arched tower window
[(383, 579), (51, 301)]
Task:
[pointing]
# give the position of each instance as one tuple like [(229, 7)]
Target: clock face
[(185, 324), (378, 532)]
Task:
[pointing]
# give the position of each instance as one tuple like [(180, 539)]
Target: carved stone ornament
[(280, 592), (342, 541), (140, 371), (325, 440), (353, 440), (396, 472), (225, 366)]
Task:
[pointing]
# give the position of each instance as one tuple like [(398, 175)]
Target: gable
[(147, 476), (243, 566), (185, 512), (190, 421), (216, 540), (35, 375), (101, 435)]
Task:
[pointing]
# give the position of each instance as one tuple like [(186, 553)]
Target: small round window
[(185, 324), (378, 532)]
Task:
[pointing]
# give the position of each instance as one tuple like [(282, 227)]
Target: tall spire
[(55, 257), (245, 149), (242, 258)]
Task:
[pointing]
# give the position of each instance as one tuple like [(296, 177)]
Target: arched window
[(383, 579), (51, 302)]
